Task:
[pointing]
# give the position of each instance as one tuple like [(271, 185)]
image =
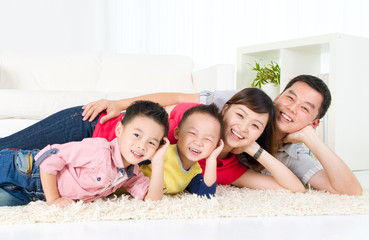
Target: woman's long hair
[(257, 101)]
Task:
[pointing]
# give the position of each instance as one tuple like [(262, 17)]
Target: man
[(300, 107)]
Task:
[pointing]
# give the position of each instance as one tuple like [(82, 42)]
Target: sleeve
[(198, 186), (137, 186), (51, 161), (219, 98), (298, 159), (175, 117), (304, 166), (74, 154)]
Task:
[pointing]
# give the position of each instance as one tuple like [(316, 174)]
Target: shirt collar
[(291, 149), (118, 161)]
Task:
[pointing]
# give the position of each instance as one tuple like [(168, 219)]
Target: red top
[(107, 129), (228, 170)]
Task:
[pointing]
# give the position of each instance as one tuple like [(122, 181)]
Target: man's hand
[(299, 136), (91, 110)]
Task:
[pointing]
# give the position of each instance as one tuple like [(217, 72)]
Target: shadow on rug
[(229, 202)]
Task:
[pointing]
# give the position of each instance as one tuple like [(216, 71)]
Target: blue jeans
[(20, 180), (61, 127)]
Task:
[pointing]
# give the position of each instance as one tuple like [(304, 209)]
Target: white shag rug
[(228, 202)]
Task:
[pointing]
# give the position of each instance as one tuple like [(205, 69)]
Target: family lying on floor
[(209, 138)]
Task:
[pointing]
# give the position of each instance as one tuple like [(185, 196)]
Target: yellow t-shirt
[(176, 179)]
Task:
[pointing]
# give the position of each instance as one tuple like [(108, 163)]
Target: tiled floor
[(322, 227)]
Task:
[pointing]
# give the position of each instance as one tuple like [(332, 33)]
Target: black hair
[(147, 109), (318, 85), (257, 101)]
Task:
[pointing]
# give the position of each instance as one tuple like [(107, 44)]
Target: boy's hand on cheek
[(217, 150), (160, 152)]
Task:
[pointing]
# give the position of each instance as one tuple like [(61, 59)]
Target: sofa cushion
[(73, 72), (142, 73), (38, 104)]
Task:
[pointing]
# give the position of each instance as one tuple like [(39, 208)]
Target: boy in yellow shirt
[(198, 137)]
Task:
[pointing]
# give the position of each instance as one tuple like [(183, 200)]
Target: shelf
[(344, 59)]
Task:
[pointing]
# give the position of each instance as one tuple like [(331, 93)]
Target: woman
[(248, 124)]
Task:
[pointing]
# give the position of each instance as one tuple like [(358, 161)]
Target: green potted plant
[(268, 78), (270, 73)]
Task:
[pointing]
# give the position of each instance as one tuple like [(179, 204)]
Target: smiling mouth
[(136, 154), (286, 117), (195, 151), (237, 135)]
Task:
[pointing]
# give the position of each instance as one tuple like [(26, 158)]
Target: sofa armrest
[(217, 77)]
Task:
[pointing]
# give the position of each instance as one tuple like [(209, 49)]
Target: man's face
[(297, 107)]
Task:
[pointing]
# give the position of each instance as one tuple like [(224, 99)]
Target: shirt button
[(53, 151), (98, 179)]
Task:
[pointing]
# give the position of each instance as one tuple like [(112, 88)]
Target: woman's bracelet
[(258, 153)]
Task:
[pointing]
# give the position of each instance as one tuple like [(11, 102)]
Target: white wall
[(209, 31), (49, 25)]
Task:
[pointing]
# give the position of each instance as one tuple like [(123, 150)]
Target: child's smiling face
[(139, 139), (198, 136)]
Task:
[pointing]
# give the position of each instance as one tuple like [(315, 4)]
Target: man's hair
[(212, 110), (318, 85), (147, 109)]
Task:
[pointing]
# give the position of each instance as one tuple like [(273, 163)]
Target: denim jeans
[(61, 127), (20, 180)]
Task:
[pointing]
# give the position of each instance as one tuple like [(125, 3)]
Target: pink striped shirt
[(91, 169)]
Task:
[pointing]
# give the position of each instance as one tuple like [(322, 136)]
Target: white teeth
[(286, 117), (195, 150), (239, 136), (136, 153)]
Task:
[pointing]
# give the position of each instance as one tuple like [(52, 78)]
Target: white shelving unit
[(345, 60)]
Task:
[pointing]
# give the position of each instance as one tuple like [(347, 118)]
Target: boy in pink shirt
[(93, 168)]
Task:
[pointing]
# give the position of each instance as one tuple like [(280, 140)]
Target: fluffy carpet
[(229, 202)]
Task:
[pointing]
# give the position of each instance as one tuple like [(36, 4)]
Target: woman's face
[(241, 125)]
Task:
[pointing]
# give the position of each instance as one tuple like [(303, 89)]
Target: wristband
[(258, 153)]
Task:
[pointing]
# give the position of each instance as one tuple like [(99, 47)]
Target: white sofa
[(33, 86)]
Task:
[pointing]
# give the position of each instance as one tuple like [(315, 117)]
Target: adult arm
[(336, 176), (50, 188), (281, 177), (155, 191), (115, 107)]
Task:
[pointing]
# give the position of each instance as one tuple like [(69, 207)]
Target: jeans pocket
[(23, 162)]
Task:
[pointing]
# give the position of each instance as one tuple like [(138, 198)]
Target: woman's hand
[(250, 149), (91, 110)]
